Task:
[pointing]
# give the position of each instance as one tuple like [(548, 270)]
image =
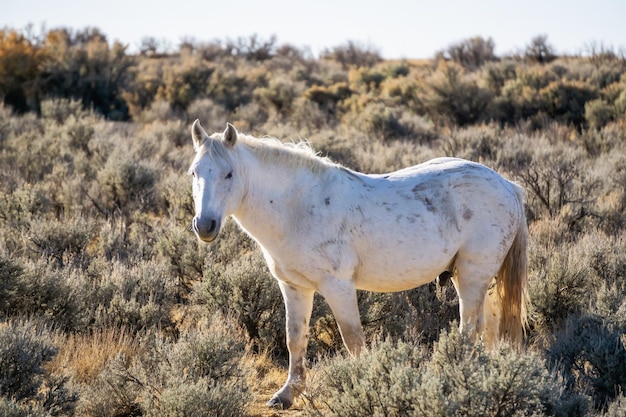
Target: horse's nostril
[(212, 227)]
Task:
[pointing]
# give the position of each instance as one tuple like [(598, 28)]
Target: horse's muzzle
[(206, 229)]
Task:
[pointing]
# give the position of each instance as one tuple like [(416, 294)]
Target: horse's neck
[(273, 191)]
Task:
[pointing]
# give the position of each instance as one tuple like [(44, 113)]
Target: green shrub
[(63, 242), (453, 98), (10, 274), (124, 185), (460, 378), (243, 287), (471, 53), (379, 122), (592, 357), (136, 297), (59, 110), (598, 113), (202, 373), (199, 399), (11, 408), (24, 349), (41, 290), (565, 101), (559, 286)]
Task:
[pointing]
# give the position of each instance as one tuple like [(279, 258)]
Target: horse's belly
[(389, 273)]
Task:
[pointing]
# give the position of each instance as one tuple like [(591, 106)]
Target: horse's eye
[(229, 175)]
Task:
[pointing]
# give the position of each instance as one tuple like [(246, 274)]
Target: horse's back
[(419, 219)]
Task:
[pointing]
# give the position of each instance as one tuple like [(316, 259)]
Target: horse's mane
[(293, 154)]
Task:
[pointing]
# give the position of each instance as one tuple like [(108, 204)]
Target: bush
[(24, 349), (202, 373), (136, 296), (352, 54), (245, 288), (565, 101), (10, 408), (25, 388), (470, 53), (539, 50), (379, 122), (124, 185), (592, 357), (598, 113), (453, 98), (38, 289), (559, 287), (459, 379)]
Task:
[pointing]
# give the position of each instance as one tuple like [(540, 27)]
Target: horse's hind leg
[(298, 306), (471, 283), (491, 314), (341, 297)]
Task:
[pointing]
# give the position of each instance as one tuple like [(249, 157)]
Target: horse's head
[(217, 185)]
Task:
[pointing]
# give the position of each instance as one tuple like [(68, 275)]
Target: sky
[(396, 29)]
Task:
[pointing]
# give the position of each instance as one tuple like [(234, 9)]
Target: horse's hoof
[(278, 404)]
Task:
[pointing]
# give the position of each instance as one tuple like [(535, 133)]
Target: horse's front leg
[(298, 306)]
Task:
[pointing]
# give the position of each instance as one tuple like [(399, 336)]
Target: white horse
[(325, 228)]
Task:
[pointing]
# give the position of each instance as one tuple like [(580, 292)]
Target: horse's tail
[(511, 281)]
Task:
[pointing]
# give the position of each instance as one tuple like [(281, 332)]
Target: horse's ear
[(230, 135), (198, 135)]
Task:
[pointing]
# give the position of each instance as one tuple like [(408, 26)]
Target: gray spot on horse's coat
[(467, 214), (327, 201), (429, 205), (412, 218), (418, 189)]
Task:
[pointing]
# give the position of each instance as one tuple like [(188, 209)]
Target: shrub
[(213, 115), (38, 289), (592, 357), (459, 379), (136, 296), (616, 408), (243, 287), (470, 53), (83, 66), (565, 101), (11, 408), (539, 50), (25, 388), (453, 98), (124, 185), (379, 122), (352, 54), (559, 184), (24, 349), (559, 287), (63, 242), (201, 373), (598, 113)]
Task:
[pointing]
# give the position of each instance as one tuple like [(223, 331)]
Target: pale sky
[(395, 28)]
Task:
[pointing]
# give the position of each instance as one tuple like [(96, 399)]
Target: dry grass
[(266, 379), (83, 356)]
